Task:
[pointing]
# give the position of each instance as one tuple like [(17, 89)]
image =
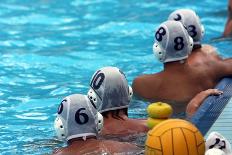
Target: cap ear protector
[(190, 45), (60, 128), (158, 51), (99, 122), (93, 98), (130, 92), (202, 30)]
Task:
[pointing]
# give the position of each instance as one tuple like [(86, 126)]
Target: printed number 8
[(179, 43), (161, 32)]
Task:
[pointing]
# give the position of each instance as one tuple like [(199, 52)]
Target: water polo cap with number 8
[(172, 42), (109, 89), (77, 118), (191, 21)]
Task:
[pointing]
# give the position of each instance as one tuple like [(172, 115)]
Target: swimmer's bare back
[(181, 82), (178, 84), (93, 147)]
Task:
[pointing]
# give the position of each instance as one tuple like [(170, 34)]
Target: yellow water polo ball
[(159, 110), (175, 137)]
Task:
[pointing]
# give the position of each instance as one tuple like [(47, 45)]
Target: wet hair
[(196, 46), (115, 113)]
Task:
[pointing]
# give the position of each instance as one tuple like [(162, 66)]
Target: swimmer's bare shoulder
[(102, 146), (208, 49), (144, 85), (204, 54), (228, 29)]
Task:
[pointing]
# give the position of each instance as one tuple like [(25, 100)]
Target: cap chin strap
[(99, 122), (84, 136), (182, 61)]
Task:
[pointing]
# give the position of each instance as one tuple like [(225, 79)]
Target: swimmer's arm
[(145, 86), (195, 103), (228, 28), (223, 68)]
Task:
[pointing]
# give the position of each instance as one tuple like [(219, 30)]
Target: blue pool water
[(50, 49)]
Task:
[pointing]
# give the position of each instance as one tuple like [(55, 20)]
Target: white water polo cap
[(77, 118), (217, 141), (214, 151), (109, 89), (191, 21), (172, 42)]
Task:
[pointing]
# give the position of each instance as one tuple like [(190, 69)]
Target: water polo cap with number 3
[(191, 21)]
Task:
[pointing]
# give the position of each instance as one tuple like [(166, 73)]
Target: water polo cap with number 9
[(191, 21), (109, 90), (77, 118), (172, 42)]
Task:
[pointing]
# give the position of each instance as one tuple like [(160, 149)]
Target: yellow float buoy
[(159, 110)]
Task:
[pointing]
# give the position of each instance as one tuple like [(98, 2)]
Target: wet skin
[(93, 146), (179, 82), (228, 26)]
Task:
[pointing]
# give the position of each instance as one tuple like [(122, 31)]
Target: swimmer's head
[(192, 23), (109, 90), (172, 42), (77, 118)]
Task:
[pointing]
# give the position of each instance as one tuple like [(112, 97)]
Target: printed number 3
[(192, 31)]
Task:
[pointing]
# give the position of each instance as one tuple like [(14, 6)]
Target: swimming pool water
[(50, 49)]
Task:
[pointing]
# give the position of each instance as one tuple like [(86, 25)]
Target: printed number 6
[(83, 115)]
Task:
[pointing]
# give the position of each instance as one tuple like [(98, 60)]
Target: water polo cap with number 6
[(77, 118), (172, 42), (191, 21)]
